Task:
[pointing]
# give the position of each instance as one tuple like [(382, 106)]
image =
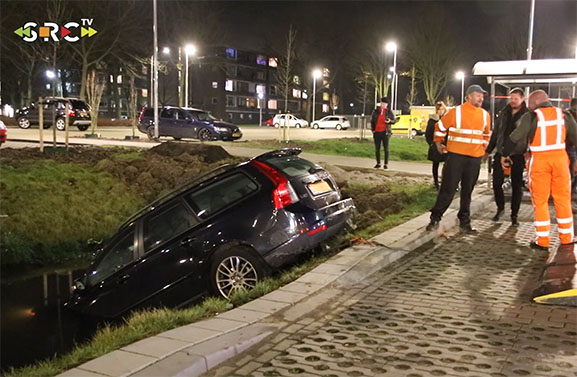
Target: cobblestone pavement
[(461, 308)]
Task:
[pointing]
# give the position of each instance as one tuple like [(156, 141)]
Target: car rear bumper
[(82, 122), (313, 228)]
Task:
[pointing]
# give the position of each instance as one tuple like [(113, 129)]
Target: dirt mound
[(206, 153), (348, 176)]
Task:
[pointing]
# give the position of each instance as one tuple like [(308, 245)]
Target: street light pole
[(461, 76), (188, 50), (316, 74), (260, 109), (155, 58), (392, 46)]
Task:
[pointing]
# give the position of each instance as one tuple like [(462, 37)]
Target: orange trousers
[(548, 174)]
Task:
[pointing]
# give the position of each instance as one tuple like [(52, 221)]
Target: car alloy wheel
[(276, 125), (204, 134), (414, 132), (235, 274), (60, 124), (23, 123), (316, 126), (339, 127)]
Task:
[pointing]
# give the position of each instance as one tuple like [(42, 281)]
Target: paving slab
[(118, 363)]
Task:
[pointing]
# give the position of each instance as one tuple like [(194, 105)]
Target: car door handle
[(123, 279), (187, 242)]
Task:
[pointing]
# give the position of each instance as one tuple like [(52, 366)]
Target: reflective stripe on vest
[(545, 128), (465, 131)]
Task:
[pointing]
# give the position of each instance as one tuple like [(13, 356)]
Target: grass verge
[(401, 149), (147, 323)]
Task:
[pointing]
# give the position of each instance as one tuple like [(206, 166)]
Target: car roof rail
[(279, 153)]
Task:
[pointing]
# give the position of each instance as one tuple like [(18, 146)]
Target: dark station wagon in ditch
[(221, 233)]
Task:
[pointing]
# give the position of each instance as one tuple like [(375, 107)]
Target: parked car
[(268, 123), (184, 122), (2, 132), (219, 234), (55, 108), (282, 120), (332, 121)]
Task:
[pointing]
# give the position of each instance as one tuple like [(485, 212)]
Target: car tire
[(24, 123), (276, 125), (339, 127), (414, 132), (150, 133), (204, 134), (316, 126), (177, 138), (60, 124), (298, 125), (83, 127), (235, 268)]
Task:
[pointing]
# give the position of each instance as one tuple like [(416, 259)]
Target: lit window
[(111, 79), (215, 84), (250, 116), (230, 53), (272, 104), (261, 89), (326, 72), (296, 80), (326, 108), (119, 79), (261, 60), (241, 116), (326, 96), (228, 86), (296, 93), (145, 93), (273, 62), (305, 95)]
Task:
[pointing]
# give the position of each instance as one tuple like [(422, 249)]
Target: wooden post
[(41, 122), (66, 123), (54, 125)]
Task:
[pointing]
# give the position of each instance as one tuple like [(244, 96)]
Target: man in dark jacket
[(506, 124), (381, 121)]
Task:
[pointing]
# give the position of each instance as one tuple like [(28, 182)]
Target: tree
[(95, 84), (413, 92), (335, 101), (364, 89), (432, 52), (285, 70)]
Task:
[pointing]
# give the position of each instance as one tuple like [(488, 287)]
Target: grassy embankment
[(401, 149)]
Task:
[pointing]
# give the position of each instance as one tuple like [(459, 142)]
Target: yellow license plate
[(237, 134), (320, 187), (83, 114)]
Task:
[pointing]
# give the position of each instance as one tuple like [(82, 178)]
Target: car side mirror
[(78, 285)]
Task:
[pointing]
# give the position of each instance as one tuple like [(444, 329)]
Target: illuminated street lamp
[(50, 74), (392, 47), (189, 50), (316, 74), (461, 76), (166, 50)]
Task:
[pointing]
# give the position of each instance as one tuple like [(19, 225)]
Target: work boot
[(536, 246), (467, 229), (377, 166), (433, 225), (498, 215), (514, 221)]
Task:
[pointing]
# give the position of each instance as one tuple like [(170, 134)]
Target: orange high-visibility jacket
[(551, 131), (468, 128)]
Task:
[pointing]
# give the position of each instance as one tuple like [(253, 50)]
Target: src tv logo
[(51, 31)]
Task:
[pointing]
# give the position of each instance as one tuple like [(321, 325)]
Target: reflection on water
[(34, 324)]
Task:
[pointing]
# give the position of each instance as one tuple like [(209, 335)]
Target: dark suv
[(219, 234), (79, 114), (184, 122)]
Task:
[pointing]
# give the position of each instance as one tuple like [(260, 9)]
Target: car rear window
[(221, 194), (77, 104), (148, 112), (292, 166)]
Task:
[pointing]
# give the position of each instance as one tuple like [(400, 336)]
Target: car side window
[(117, 256), (166, 225), (218, 195), (167, 113), (182, 115)]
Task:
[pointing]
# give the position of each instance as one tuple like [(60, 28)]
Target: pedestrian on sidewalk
[(468, 128), (547, 130), (433, 154), (506, 123), (381, 122)]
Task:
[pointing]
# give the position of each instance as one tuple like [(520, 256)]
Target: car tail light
[(71, 113), (283, 194), (140, 115)]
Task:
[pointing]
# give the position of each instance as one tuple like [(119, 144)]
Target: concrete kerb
[(194, 349)]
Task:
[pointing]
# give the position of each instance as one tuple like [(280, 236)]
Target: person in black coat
[(434, 155)]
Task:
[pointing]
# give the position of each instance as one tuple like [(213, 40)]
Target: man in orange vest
[(546, 129), (468, 128)]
